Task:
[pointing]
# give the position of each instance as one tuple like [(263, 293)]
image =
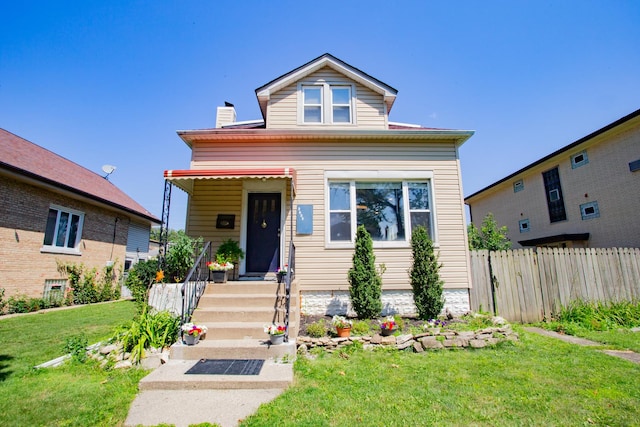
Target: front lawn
[(538, 381), (71, 395)]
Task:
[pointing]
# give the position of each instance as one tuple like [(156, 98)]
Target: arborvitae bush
[(365, 282), (425, 279)]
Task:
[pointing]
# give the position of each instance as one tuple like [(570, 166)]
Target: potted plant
[(191, 333), (282, 271), (276, 333), (343, 325), (219, 269), (388, 326), (231, 251)]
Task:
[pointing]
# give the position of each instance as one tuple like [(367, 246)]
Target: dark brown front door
[(263, 232)]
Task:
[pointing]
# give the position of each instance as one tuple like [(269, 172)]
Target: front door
[(263, 232)]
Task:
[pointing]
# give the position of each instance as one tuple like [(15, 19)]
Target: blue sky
[(110, 82)]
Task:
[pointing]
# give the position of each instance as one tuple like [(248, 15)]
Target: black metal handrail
[(194, 284), (288, 278)]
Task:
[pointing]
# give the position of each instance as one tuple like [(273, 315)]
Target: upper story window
[(326, 103), (389, 209), (63, 230), (579, 159), (555, 201), (518, 186)]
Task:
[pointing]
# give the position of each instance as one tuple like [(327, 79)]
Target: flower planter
[(276, 339), (343, 332), (386, 332), (190, 339), (280, 277), (219, 276)]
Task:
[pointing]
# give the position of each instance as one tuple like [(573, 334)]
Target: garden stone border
[(429, 340)]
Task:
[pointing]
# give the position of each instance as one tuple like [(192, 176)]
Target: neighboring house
[(55, 210), (325, 159), (586, 194)]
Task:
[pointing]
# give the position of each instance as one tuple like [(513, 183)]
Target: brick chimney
[(225, 115)]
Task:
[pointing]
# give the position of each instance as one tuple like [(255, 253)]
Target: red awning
[(184, 178)]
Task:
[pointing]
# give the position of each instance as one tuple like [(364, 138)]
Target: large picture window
[(389, 210), (63, 229)]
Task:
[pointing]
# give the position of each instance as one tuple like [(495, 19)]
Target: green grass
[(71, 395), (539, 381)]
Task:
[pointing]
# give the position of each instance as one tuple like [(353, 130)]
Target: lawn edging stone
[(440, 340)]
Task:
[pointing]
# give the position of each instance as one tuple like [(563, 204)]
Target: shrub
[(3, 303), (317, 329), (425, 279), (18, 304), (181, 256), (365, 290), (361, 327), (87, 286)]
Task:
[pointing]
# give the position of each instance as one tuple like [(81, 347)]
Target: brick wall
[(23, 216)]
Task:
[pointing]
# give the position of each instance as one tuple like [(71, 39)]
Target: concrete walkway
[(623, 354), (185, 407)]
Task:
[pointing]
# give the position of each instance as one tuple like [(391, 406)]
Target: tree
[(490, 236), (425, 278), (365, 290)]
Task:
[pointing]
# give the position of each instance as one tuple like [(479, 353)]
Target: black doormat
[(227, 367)]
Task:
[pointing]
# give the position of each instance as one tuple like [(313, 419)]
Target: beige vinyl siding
[(282, 111), (318, 267)]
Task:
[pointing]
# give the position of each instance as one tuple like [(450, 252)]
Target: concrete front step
[(171, 376), (241, 330), (248, 300), (233, 349), (245, 288), (238, 314)]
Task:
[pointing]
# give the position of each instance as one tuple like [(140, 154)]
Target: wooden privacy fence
[(532, 284)]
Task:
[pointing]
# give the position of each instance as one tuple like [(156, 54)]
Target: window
[(555, 202), (579, 159), (518, 186), (387, 209), (326, 103), (63, 230), (312, 99), (589, 210), (524, 226)]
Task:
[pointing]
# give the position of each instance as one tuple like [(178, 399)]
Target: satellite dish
[(108, 169)]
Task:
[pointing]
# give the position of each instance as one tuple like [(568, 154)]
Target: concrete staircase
[(235, 314)]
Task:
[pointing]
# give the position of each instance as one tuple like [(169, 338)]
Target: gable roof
[(327, 60), (22, 157), (574, 144)]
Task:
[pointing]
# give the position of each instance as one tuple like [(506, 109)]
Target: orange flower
[(159, 276)]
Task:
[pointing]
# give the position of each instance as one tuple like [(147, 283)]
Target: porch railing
[(194, 284), (288, 278)]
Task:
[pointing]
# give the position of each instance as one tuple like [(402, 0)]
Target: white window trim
[(404, 177), (65, 250), (584, 161), (585, 216), (326, 108)]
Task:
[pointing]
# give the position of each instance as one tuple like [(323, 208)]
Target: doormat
[(227, 367)]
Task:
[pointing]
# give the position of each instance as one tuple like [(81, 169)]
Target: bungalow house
[(583, 195), (55, 210), (324, 159)]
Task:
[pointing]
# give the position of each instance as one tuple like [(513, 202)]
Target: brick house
[(56, 210)]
